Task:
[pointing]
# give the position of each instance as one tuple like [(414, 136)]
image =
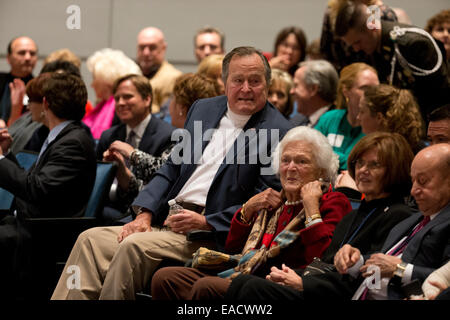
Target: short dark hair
[(299, 35), (66, 95), (394, 152), (34, 88), (441, 113), (61, 65), (350, 16), (242, 52)]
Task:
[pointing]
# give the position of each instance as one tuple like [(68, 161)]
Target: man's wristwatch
[(398, 273)]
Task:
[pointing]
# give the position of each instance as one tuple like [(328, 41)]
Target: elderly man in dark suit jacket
[(413, 249), (214, 169), (60, 182), (138, 130)]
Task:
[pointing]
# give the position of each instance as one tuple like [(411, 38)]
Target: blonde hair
[(63, 54), (211, 66), (285, 78), (109, 65), (400, 112), (347, 79)]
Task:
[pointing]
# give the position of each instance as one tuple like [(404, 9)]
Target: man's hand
[(187, 221), (17, 92), (5, 141), (142, 223), (285, 276), (386, 263), (345, 258)]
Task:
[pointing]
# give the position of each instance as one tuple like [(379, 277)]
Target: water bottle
[(174, 208)]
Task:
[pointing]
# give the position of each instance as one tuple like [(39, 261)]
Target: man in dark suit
[(400, 262), (22, 57), (214, 169), (60, 182), (139, 130)]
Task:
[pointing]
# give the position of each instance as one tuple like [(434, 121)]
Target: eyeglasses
[(370, 165)]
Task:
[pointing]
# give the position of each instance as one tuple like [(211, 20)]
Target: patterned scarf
[(266, 223)]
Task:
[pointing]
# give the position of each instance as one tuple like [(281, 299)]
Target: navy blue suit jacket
[(155, 140), (428, 250), (233, 184)]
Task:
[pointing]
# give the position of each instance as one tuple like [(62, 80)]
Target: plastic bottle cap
[(172, 202)]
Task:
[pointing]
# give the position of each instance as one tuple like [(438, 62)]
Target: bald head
[(22, 56), (430, 173), (151, 49)]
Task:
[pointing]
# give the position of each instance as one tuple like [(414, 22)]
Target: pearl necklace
[(292, 203)]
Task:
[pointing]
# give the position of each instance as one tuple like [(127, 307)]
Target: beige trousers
[(101, 268)]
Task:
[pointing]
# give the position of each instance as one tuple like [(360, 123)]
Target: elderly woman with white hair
[(272, 228), (106, 66)]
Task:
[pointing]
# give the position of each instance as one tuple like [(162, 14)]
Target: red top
[(314, 239)]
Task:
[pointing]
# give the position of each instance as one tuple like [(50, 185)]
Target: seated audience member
[(341, 126), (211, 67), (332, 47), (439, 27), (22, 58), (289, 50), (385, 108), (404, 56), (208, 41), (315, 85), (188, 88), (209, 188), (138, 128), (292, 226), (404, 257), (439, 125), (151, 58), (280, 92), (313, 51), (106, 66), (436, 285), (65, 55), (61, 181)]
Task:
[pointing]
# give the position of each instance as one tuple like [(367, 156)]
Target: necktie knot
[(131, 139)]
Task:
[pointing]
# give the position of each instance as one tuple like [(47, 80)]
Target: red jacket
[(312, 241)]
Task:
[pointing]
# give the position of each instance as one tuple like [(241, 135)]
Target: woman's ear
[(45, 104)]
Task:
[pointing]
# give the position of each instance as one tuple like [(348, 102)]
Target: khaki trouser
[(101, 268)]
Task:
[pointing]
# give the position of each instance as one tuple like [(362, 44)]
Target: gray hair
[(326, 159), (243, 52), (110, 64), (323, 74)]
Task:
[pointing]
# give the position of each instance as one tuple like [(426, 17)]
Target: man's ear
[(313, 89)]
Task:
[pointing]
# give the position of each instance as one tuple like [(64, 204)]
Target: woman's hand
[(346, 258), (268, 199), (285, 276), (345, 180), (123, 148), (280, 62), (311, 194)]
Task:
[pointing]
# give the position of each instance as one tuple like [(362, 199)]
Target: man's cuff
[(407, 275), (354, 270)]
